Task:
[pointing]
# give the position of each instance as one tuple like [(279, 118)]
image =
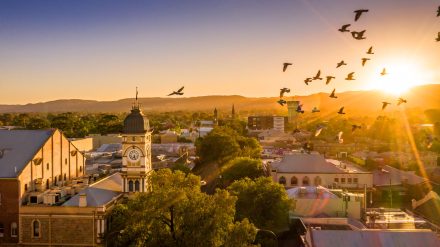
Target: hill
[(355, 102)]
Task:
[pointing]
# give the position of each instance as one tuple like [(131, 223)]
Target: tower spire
[(136, 102)]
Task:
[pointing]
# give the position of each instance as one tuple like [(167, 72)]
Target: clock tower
[(136, 151)]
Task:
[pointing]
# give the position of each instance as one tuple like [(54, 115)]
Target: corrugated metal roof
[(392, 176), (99, 193), (18, 147), (376, 238), (305, 163)]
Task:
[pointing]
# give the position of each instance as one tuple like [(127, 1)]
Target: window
[(0, 199), (80, 169), (349, 180), (65, 177), (136, 186), (336, 180), (294, 181), (36, 229), (342, 180), (317, 181), (55, 181), (355, 180), (2, 230), (25, 187), (282, 180), (47, 184), (13, 229), (306, 181), (133, 139), (47, 166), (65, 161), (130, 186)]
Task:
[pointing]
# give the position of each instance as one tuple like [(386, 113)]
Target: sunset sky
[(102, 50)]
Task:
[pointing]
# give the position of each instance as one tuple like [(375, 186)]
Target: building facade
[(267, 122)]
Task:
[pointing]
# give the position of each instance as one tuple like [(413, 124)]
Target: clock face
[(133, 155)]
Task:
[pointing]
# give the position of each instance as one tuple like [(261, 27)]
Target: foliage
[(264, 202), (177, 213), (242, 167)]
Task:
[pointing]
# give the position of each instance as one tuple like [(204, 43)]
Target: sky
[(103, 50)]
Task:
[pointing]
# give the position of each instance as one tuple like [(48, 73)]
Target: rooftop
[(388, 176), (310, 192), (18, 147)]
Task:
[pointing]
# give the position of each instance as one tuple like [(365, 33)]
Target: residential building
[(99, 140), (267, 122), (271, 136), (168, 136), (303, 169), (32, 162)]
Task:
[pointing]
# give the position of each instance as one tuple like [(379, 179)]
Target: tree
[(217, 147), (264, 202), (177, 213), (240, 168)]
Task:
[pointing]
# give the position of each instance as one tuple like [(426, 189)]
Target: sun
[(401, 76)]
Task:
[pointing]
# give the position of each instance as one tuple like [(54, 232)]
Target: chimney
[(82, 200)]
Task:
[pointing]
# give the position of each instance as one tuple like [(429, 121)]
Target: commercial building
[(267, 122)]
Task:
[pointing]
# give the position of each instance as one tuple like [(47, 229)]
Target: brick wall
[(9, 190)]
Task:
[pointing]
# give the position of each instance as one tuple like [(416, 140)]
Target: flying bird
[(401, 101), (282, 102), (339, 137), (358, 35), (354, 127), (438, 37), (384, 72), (438, 11), (285, 65), (341, 63), (317, 76), (385, 104), (364, 60), (370, 51), (341, 111), (350, 77), (332, 95), (329, 78), (319, 129), (315, 109), (178, 92), (359, 13), (344, 28), (283, 91), (307, 80), (299, 109)]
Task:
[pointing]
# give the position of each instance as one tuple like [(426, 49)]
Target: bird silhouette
[(385, 104), (307, 80), (318, 129), (438, 11), (339, 137), (384, 72), (401, 101), (370, 51), (328, 79), (344, 28), (350, 77), (354, 127), (358, 35), (341, 63), (281, 102), (285, 65), (178, 92), (317, 76), (299, 109), (438, 37), (283, 91), (359, 13), (341, 111), (364, 61), (315, 109), (332, 95)]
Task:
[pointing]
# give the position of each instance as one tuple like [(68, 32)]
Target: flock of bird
[(357, 35)]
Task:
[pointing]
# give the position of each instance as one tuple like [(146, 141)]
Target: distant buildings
[(267, 122), (302, 169)]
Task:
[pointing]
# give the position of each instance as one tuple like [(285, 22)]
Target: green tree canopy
[(242, 167), (264, 202), (177, 213)]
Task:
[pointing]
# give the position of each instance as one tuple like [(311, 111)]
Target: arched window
[(65, 161), (317, 181), (80, 169), (36, 229), (130, 186), (25, 187), (47, 184), (65, 177), (2, 230), (14, 229), (294, 181), (47, 166), (282, 180), (306, 181), (55, 181), (136, 185)]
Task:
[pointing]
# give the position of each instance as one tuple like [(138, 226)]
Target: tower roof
[(136, 122)]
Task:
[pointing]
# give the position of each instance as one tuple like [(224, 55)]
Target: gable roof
[(18, 147), (305, 163), (389, 175)]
